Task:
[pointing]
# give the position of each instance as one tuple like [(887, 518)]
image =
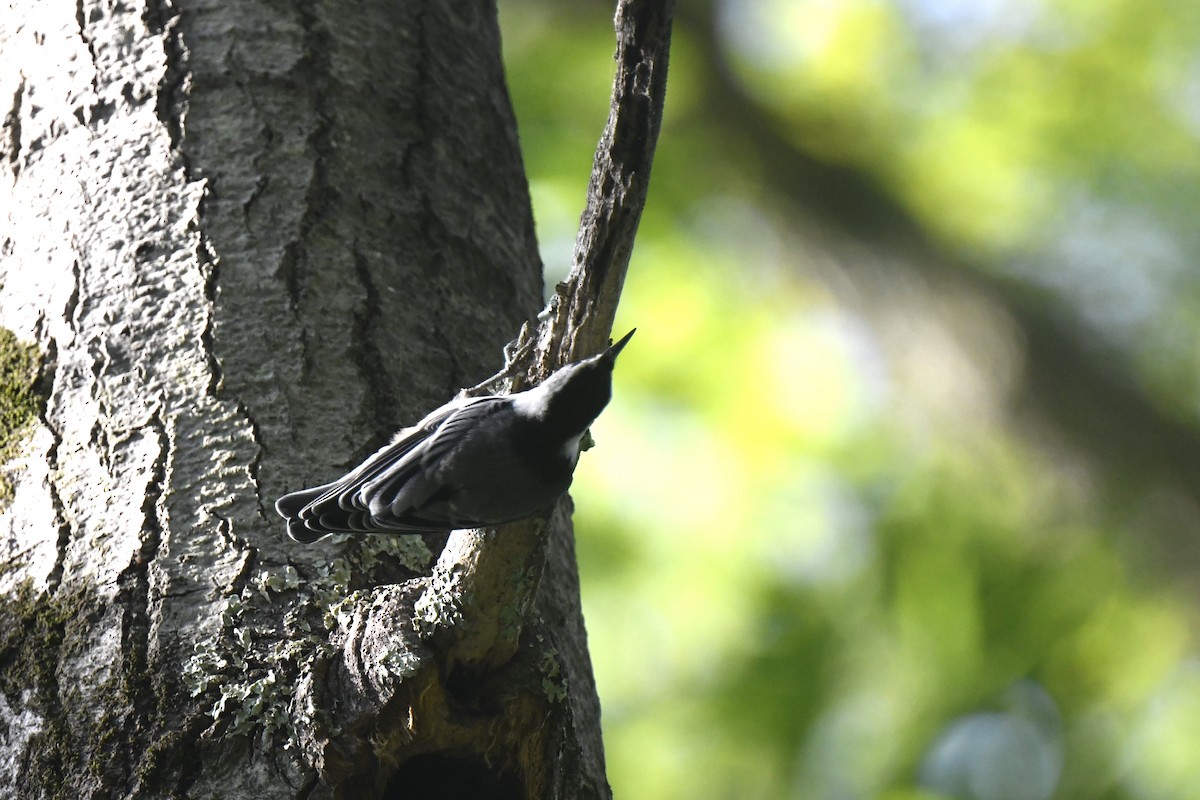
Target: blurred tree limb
[(1078, 385)]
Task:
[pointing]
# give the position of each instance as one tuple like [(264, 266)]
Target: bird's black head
[(571, 399)]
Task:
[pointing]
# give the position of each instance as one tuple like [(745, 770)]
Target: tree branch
[(584, 305)]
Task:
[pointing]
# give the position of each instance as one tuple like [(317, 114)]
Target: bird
[(475, 462)]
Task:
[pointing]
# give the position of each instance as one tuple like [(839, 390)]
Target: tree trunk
[(251, 240)]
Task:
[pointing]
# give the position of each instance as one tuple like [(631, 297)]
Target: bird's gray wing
[(315, 513), (342, 506), (411, 493)]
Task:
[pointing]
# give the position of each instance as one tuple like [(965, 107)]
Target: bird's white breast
[(570, 449)]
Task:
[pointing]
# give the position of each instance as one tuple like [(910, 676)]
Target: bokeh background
[(899, 494)]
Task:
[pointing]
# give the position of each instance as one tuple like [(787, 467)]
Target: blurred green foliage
[(803, 556)]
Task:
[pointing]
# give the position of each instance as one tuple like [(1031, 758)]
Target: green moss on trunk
[(19, 400)]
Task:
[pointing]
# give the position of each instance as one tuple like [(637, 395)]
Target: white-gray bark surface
[(250, 240)]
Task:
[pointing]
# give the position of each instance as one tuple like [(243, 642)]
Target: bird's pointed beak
[(615, 350)]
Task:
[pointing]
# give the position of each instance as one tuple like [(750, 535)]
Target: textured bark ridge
[(250, 241)]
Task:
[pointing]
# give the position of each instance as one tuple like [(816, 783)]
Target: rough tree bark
[(250, 240)]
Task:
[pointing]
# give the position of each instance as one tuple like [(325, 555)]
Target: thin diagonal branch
[(582, 311)]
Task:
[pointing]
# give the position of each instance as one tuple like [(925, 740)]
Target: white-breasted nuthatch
[(476, 462)]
